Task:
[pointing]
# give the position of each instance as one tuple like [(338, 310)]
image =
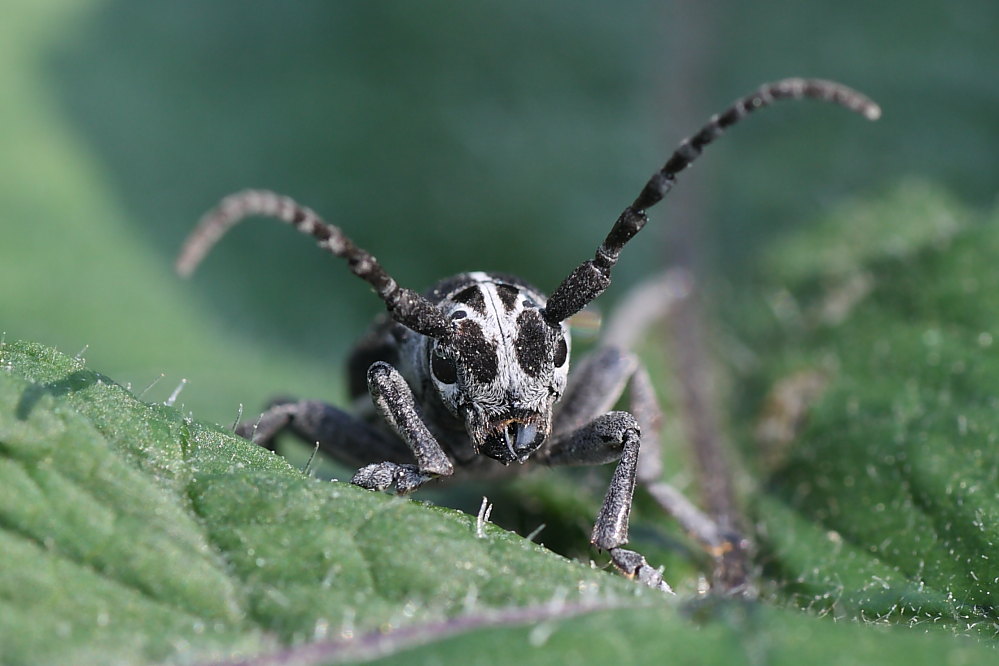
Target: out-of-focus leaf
[(874, 400)]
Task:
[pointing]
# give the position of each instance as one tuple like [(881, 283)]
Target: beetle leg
[(395, 403), (340, 435), (612, 436)]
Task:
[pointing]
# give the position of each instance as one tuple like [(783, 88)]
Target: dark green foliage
[(884, 504)]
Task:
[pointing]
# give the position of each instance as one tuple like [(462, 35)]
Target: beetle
[(472, 376)]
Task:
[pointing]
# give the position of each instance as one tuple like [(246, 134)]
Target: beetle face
[(502, 369)]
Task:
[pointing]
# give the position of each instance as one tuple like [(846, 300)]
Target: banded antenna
[(404, 305), (592, 277)]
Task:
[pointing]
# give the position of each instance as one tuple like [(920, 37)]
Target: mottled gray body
[(474, 375)]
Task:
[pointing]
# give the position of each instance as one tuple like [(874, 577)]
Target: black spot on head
[(458, 314), (473, 298), (532, 342), (447, 286), (477, 354), (508, 295)]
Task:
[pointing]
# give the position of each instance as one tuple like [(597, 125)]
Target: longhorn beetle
[(474, 374)]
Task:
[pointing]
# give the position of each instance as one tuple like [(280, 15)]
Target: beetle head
[(502, 368)]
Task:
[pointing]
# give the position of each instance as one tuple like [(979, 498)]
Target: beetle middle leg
[(404, 464), (340, 435)]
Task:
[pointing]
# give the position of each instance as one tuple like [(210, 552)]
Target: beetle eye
[(443, 369), (561, 353)]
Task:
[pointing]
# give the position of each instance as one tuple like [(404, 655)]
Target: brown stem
[(694, 367)]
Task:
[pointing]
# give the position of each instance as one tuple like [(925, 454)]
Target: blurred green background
[(441, 136)]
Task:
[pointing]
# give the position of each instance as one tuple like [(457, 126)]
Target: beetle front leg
[(394, 401), (612, 436), (598, 382)]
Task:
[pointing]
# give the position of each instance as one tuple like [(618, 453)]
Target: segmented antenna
[(406, 306), (592, 277)]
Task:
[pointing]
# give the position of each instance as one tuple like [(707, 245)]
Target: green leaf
[(132, 534), (714, 633), (882, 501)]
